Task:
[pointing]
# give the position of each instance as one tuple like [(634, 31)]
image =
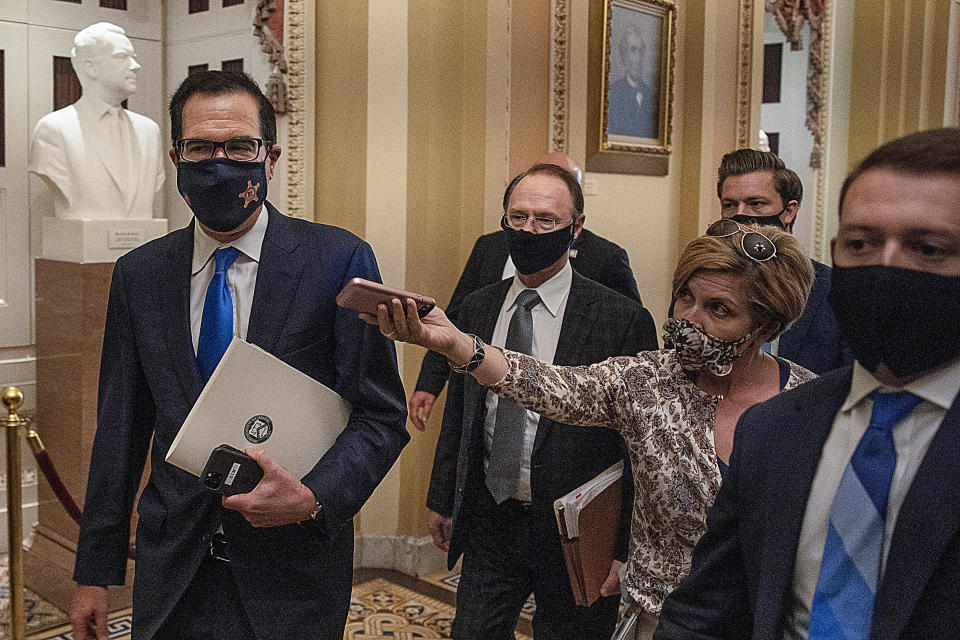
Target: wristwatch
[(475, 360)]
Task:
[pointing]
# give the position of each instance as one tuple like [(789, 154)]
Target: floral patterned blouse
[(667, 424)]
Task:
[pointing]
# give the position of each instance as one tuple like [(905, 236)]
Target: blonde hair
[(776, 289)]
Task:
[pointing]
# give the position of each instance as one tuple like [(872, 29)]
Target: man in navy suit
[(755, 187), (767, 566), (590, 255), (276, 562), (511, 547)]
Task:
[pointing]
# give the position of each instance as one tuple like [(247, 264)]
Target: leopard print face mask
[(698, 350)]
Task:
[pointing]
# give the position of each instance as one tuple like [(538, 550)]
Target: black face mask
[(532, 252), (773, 221), (899, 317), (222, 193)]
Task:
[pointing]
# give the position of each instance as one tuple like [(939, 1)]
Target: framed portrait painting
[(630, 85)]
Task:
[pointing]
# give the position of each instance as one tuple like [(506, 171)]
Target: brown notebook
[(589, 522)]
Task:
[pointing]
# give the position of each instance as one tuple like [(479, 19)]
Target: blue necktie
[(216, 325), (850, 570)]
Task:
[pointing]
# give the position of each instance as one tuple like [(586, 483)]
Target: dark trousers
[(514, 550), (210, 608)]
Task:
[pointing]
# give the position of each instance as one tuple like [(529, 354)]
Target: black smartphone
[(230, 471)]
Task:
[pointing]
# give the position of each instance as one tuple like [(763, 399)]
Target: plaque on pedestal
[(88, 241)]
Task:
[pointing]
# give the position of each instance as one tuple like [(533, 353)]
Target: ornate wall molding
[(827, 27), (296, 109), (559, 76), (745, 73), (268, 27)]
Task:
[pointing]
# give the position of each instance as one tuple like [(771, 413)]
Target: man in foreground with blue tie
[(840, 516), (276, 562)]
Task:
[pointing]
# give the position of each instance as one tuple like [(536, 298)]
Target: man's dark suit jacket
[(814, 340), (627, 118), (743, 566), (590, 255), (294, 580), (598, 323)]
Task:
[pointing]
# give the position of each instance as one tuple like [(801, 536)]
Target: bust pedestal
[(85, 241), (72, 285)]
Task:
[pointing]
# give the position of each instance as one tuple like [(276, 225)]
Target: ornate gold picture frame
[(630, 85)]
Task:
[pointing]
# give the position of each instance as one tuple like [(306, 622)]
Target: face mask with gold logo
[(222, 193)]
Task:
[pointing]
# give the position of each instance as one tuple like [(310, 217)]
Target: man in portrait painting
[(634, 102)]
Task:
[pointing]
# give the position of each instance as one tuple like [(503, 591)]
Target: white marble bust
[(100, 160)]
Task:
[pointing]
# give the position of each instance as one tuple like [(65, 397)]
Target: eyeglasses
[(754, 244), (239, 149), (541, 225)]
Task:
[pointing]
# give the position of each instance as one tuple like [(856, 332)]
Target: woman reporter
[(735, 288)]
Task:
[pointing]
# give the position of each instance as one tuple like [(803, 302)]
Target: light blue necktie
[(850, 570), (216, 324)]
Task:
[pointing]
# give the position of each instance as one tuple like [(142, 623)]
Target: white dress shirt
[(547, 320), (911, 438), (241, 276)]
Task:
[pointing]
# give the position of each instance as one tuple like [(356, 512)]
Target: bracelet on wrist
[(474, 361)]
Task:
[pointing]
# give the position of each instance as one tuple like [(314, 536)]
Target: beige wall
[(529, 82), (898, 70), (340, 140), (444, 189)]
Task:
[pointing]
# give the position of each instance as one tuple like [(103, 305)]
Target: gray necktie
[(503, 472)]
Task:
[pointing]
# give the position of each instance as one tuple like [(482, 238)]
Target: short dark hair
[(744, 161), (217, 83), (934, 151), (576, 193)]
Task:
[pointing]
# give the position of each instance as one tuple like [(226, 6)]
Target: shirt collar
[(940, 386), (249, 243), (553, 292), (98, 107)]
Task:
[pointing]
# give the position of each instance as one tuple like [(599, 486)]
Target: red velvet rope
[(63, 494)]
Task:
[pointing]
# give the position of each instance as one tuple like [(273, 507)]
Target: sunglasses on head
[(754, 244)]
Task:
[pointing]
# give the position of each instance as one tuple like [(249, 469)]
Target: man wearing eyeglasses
[(499, 468), (838, 516), (276, 562), (755, 187), (591, 256)]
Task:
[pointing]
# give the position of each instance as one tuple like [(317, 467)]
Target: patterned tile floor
[(386, 605), (450, 581)]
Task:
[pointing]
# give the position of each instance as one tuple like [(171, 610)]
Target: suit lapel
[(174, 301), (278, 276), (488, 303), (794, 338), (799, 441), (574, 332), (927, 522)]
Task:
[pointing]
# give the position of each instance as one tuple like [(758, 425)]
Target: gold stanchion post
[(12, 399)]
